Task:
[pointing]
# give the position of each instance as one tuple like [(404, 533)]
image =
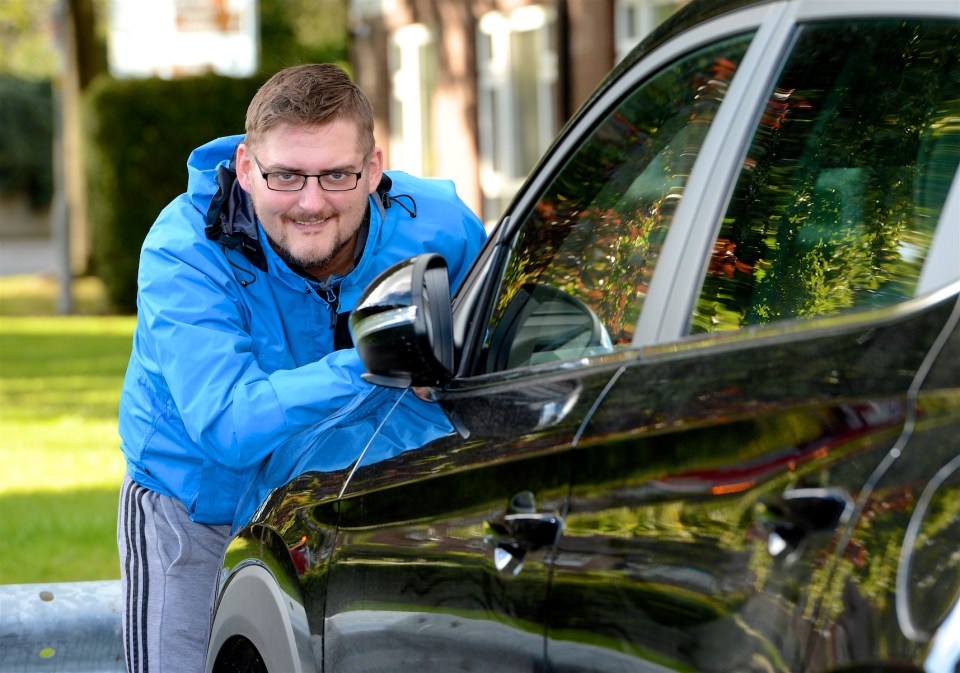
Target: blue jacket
[(234, 352)]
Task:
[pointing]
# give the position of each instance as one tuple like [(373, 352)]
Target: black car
[(695, 408)]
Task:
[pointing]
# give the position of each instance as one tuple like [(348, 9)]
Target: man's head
[(310, 120), (309, 95)]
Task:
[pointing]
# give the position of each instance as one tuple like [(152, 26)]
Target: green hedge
[(140, 133), (26, 139)]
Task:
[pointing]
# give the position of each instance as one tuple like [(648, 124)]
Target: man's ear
[(375, 168), (245, 166)]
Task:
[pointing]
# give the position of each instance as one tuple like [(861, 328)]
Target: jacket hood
[(230, 217)]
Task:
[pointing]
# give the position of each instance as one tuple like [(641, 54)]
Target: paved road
[(19, 256)]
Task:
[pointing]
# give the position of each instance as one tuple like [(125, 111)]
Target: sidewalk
[(19, 256)]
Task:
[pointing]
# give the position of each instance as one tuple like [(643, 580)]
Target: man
[(245, 284)]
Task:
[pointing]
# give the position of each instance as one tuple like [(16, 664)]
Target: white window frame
[(500, 173), (371, 8), (635, 19), (411, 120)]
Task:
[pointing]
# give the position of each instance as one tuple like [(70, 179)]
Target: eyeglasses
[(334, 181)]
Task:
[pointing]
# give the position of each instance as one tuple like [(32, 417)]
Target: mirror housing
[(403, 325)]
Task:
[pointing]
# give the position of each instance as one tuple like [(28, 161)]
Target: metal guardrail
[(72, 627)]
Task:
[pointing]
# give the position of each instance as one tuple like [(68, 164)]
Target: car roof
[(694, 13), (691, 14), (687, 17)]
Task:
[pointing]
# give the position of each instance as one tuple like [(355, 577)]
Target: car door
[(778, 368), (442, 556), (440, 561)]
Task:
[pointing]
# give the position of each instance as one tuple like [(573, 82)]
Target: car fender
[(253, 606)]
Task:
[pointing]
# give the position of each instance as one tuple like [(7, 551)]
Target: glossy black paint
[(445, 514), (669, 556), (696, 558), (782, 497), (386, 329)]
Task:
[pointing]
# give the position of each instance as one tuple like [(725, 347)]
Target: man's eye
[(336, 177), (286, 177)]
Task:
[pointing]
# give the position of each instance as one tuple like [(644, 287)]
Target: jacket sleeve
[(196, 351)]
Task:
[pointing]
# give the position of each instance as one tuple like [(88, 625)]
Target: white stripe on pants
[(168, 576)]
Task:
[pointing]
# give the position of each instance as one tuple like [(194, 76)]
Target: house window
[(517, 65), (413, 67), (636, 18)]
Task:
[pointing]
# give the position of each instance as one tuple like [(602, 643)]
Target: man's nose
[(312, 195)]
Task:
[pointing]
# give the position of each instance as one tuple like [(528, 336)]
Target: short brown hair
[(316, 93)]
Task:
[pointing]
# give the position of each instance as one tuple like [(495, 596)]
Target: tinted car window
[(582, 259), (843, 184)]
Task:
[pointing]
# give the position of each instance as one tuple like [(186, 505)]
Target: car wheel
[(239, 656)]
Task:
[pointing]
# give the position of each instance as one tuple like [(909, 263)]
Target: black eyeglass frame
[(304, 176)]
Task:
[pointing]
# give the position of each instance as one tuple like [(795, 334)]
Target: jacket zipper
[(329, 294)]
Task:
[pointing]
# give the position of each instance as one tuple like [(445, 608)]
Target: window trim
[(942, 267), (739, 22), (673, 293), (825, 10), (667, 311), (568, 144), (663, 323)]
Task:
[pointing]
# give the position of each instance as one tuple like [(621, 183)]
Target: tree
[(26, 39)]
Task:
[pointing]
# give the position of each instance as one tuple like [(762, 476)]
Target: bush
[(140, 133), (26, 139)]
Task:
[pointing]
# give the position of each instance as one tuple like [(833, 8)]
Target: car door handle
[(516, 534), (802, 512)]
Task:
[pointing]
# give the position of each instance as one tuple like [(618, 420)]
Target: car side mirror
[(403, 326)]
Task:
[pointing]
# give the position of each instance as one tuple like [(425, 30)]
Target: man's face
[(313, 228)]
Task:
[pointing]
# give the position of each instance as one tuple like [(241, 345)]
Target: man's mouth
[(309, 222)]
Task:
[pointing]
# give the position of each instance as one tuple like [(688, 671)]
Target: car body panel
[(463, 581), (672, 528), (777, 497)]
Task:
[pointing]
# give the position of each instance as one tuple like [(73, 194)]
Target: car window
[(839, 195), (581, 261)]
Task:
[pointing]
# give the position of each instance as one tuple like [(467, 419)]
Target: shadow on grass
[(66, 536), (64, 353)]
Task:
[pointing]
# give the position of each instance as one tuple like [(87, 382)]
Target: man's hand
[(425, 394)]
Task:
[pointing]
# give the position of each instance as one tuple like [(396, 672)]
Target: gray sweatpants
[(168, 576)]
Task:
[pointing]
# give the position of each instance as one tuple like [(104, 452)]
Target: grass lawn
[(60, 383)]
